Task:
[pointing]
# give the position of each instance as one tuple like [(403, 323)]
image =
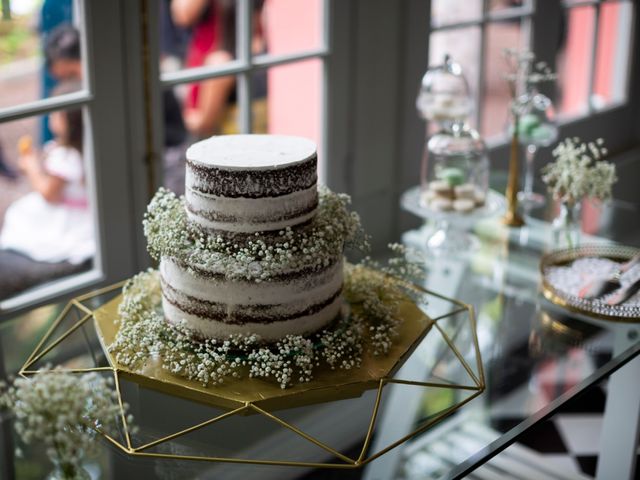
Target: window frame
[(246, 64), (104, 101)]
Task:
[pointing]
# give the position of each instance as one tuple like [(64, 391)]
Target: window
[(63, 225), (475, 33), (593, 56), (240, 67), (588, 42)]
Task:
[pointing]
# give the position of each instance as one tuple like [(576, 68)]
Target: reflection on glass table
[(536, 357)]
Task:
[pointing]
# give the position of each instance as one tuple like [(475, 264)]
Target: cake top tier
[(251, 152)]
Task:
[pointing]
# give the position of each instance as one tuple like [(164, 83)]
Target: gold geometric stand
[(452, 376)]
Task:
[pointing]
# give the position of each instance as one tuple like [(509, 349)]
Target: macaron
[(466, 190), (441, 204), (463, 205), (441, 189), (453, 176)]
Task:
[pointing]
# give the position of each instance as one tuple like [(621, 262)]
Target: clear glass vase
[(64, 470), (567, 226)]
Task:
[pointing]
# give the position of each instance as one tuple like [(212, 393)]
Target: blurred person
[(52, 14), (63, 60), (62, 53), (49, 233), (213, 24), (173, 44)]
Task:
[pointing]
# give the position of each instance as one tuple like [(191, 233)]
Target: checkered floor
[(571, 438), (563, 447)]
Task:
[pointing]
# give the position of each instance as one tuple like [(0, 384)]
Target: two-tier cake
[(255, 199)]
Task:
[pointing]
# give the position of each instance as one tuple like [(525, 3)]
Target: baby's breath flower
[(579, 172), (63, 411), (334, 228)]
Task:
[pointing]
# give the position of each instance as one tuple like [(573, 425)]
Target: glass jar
[(444, 95), (536, 128), (457, 174), (536, 120)]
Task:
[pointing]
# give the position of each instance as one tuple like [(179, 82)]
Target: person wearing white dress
[(52, 225)]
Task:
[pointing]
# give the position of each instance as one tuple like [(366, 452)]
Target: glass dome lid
[(444, 94), (461, 140)]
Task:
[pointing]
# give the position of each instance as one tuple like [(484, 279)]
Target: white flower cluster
[(144, 336), (256, 258), (579, 172), (63, 411), (523, 70)]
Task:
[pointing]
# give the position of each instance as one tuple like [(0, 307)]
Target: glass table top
[(535, 357)]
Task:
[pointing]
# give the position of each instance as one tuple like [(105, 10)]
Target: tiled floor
[(571, 438)]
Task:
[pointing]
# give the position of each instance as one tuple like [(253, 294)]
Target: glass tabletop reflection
[(534, 358)]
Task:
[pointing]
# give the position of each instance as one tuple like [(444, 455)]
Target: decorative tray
[(564, 272)]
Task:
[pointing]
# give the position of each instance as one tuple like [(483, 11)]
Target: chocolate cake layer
[(274, 182)]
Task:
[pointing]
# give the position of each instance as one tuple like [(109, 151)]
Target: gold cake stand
[(99, 311)]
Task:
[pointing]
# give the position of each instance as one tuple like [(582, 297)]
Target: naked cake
[(263, 252)]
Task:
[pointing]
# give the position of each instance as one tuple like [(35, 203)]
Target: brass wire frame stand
[(128, 447)]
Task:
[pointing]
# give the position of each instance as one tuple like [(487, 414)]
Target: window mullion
[(481, 67), (45, 106), (264, 61), (244, 36), (206, 72), (326, 26), (594, 52)]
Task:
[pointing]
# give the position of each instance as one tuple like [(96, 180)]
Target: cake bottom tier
[(214, 306)]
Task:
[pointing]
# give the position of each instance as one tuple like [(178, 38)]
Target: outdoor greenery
[(18, 39)]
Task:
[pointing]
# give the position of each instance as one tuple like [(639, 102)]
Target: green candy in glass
[(453, 176)]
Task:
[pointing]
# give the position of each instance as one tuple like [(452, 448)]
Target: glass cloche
[(444, 96), (457, 174)]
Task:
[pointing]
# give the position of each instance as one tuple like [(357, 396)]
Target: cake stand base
[(95, 315)]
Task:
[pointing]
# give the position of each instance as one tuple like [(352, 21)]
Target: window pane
[(495, 97), (612, 54), (39, 46), (191, 112), (288, 26), (574, 61), (444, 12), (47, 227), (192, 37), (289, 87), (463, 44)]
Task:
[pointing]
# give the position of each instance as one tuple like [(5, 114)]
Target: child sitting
[(52, 224)]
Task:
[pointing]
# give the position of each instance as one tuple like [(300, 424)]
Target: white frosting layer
[(278, 298), (267, 331), (251, 152), (249, 227), (251, 214), (295, 294)]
